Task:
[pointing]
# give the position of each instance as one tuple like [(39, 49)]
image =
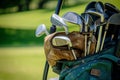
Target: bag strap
[(111, 58)]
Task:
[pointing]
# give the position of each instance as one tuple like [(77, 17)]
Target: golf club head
[(114, 19), (93, 11), (41, 29), (58, 21), (72, 17), (100, 7), (61, 41), (90, 5), (111, 8), (93, 28), (87, 20)]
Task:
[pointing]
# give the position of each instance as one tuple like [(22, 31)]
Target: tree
[(27, 4), (24, 5), (8, 3), (41, 3)]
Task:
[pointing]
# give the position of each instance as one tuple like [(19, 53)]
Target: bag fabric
[(95, 67), (93, 70)]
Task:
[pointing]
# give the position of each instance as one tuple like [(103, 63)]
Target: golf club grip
[(59, 4), (52, 30)]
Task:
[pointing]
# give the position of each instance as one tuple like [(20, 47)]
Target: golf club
[(111, 8), (87, 21), (94, 12), (90, 5), (41, 29), (74, 18), (63, 40), (52, 30), (114, 19), (92, 30), (58, 21)]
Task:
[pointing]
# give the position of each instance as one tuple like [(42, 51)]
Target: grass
[(22, 63), (31, 19), (18, 37)]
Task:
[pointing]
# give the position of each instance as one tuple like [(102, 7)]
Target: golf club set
[(100, 21), (93, 22)]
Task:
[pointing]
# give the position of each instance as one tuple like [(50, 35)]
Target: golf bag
[(70, 61), (97, 67), (104, 65)]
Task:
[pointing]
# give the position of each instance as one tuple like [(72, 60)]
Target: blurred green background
[(21, 53)]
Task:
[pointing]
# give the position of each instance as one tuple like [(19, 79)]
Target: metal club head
[(58, 21), (61, 41), (111, 8), (93, 28), (87, 20), (94, 12), (90, 5), (41, 29), (100, 7), (74, 18), (114, 19)]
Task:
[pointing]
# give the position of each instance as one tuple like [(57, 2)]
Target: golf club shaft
[(85, 40), (89, 43), (73, 52), (85, 45), (46, 32), (59, 5), (107, 25), (100, 34), (99, 40)]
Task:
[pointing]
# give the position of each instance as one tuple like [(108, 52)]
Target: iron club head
[(100, 7), (74, 18), (112, 8), (87, 20), (114, 19), (90, 5), (58, 21), (41, 29), (61, 41), (94, 12)]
